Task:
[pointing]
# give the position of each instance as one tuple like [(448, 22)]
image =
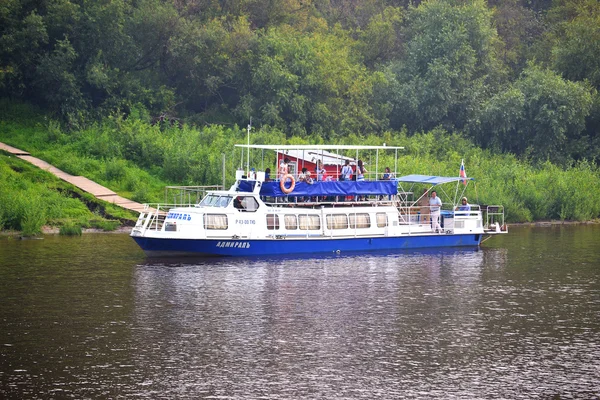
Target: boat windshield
[(214, 200)]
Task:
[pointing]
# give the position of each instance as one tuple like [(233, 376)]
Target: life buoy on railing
[(282, 183)]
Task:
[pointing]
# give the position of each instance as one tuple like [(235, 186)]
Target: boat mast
[(248, 155)]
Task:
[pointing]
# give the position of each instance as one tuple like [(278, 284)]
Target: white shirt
[(347, 172), (435, 203)]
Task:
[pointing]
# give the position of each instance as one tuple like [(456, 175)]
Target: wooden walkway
[(81, 182)]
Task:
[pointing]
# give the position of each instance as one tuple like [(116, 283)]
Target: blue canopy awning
[(333, 188), (431, 180)]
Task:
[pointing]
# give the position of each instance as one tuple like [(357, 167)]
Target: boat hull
[(161, 247)]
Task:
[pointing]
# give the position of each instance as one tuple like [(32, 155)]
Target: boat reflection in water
[(415, 323)]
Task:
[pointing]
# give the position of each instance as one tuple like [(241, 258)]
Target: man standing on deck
[(435, 205), (283, 168)]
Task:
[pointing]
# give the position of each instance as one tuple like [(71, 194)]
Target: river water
[(91, 317)]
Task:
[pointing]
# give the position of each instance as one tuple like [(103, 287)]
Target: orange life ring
[(282, 183)]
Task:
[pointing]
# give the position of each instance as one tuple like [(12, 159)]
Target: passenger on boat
[(435, 205), (237, 203), (423, 203), (320, 170), (346, 173), (465, 206), (387, 175), (308, 179), (360, 171), (360, 176), (305, 176), (283, 168), (302, 176), (268, 175)]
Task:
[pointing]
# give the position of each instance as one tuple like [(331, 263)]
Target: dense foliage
[(118, 153), (519, 76), (136, 94)]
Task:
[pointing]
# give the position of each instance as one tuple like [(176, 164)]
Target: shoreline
[(52, 230)]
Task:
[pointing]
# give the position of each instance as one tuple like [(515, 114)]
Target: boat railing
[(187, 196), (152, 218), (494, 218), (154, 214)]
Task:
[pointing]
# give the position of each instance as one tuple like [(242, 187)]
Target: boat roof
[(316, 147), (431, 179), (312, 156)]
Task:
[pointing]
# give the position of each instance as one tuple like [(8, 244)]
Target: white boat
[(258, 216)]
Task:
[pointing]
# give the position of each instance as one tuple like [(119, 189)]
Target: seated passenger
[(387, 174), (308, 179), (464, 205), (302, 176), (237, 203)]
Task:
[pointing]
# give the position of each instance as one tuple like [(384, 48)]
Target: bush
[(33, 217), (70, 230)]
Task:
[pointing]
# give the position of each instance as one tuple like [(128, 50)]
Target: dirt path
[(81, 182)]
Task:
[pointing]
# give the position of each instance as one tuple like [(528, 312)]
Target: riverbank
[(554, 223), (53, 230)]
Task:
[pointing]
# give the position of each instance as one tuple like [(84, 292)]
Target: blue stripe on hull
[(245, 248)]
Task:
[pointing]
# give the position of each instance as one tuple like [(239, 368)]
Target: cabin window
[(337, 221), (381, 220), (215, 221), (170, 227), (250, 203), (360, 221), (272, 221), (209, 200), (213, 200), (245, 203), (224, 201), (309, 222), (291, 221)]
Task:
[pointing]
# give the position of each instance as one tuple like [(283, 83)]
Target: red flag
[(462, 172)]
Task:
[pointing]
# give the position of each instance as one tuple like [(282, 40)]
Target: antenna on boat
[(248, 156)]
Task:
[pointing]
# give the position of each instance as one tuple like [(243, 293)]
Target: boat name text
[(241, 245), (173, 215)]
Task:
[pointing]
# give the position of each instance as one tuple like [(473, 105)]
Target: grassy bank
[(31, 198), (137, 159)]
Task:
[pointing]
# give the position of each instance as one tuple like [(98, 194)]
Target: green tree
[(541, 115), (379, 41), (450, 63), (56, 81), (576, 53), (208, 65), (23, 35), (310, 83), (520, 28)]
